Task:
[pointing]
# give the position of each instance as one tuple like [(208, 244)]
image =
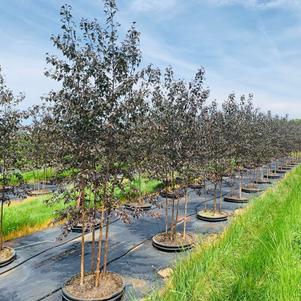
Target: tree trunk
[(1, 226), (173, 208), (93, 234), (44, 177), (240, 186), (82, 258), (105, 259), (261, 173), (221, 197), (99, 249), (185, 213), (233, 186), (2, 204), (214, 198), (36, 183), (172, 218), (166, 215), (177, 216), (140, 184), (205, 195)]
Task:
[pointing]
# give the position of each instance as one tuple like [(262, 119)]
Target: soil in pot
[(7, 255), (79, 228), (171, 194), (163, 242), (236, 199), (196, 186), (212, 216), (111, 288), (138, 206)]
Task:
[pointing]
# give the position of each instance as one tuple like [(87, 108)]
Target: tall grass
[(257, 258)]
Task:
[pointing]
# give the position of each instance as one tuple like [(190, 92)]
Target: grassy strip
[(27, 217), (40, 175), (256, 258), (147, 186), (31, 215)]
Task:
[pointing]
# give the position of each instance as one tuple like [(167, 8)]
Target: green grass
[(258, 258), (146, 186), (27, 217), (39, 175), (36, 175), (33, 215)]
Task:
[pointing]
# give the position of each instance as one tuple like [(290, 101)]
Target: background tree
[(171, 133), (235, 129), (10, 125), (193, 97), (40, 148), (218, 155)]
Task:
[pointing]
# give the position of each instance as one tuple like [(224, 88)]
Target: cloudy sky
[(244, 45)]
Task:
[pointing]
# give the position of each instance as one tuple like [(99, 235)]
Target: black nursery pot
[(165, 247), (50, 182), (212, 219), (79, 228), (39, 192), (10, 259), (263, 181), (196, 186), (116, 296), (236, 199), (273, 176), (290, 166), (171, 195), (251, 189), (138, 207)]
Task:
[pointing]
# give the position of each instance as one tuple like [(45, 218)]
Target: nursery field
[(129, 181), (256, 258), (43, 263)]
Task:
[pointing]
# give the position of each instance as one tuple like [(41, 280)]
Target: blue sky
[(244, 45)]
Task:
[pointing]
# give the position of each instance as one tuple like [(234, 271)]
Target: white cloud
[(263, 4), (269, 94), (25, 74), (153, 5), (160, 53)]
